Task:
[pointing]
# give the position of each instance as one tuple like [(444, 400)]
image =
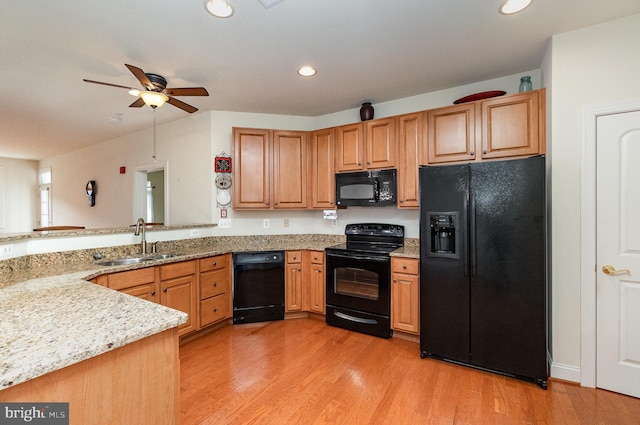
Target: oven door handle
[(359, 256), (355, 319)]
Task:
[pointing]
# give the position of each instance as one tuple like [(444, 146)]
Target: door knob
[(611, 271)]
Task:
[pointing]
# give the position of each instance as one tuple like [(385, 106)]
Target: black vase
[(366, 112)]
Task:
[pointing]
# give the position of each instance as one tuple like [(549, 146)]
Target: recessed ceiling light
[(307, 71), (514, 6), (219, 8)]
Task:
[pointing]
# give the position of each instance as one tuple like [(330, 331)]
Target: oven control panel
[(374, 229)]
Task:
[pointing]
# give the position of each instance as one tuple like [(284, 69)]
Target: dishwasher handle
[(260, 257)]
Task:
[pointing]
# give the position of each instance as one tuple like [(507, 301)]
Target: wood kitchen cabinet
[(270, 170), (178, 291), (405, 291), (141, 283), (293, 281), (368, 145), (410, 145), (322, 159), (500, 127), (316, 282), (215, 289)]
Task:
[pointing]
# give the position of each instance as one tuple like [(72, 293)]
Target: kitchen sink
[(134, 260)]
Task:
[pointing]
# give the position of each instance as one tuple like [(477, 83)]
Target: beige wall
[(588, 66)]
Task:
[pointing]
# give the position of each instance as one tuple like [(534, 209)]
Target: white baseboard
[(565, 372)]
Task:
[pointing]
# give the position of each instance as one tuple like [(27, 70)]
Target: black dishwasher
[(258, 286)]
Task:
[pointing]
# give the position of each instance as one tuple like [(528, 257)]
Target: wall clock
[(222, 164)]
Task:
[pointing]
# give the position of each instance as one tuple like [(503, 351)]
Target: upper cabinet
[(270, 170), (410, 145), (321, 158), (500, 127), (367, 145)]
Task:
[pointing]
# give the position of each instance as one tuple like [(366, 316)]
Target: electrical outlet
[(334, 223), (266, 223), (194, 232), (6, 250), (224, 223), (286, 222)]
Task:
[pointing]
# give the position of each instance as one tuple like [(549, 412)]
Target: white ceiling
[(375, 50)]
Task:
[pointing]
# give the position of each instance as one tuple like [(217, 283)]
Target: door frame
[(588, 231)]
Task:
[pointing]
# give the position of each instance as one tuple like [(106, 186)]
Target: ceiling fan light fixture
[(153, 98), (219, 8), (307, 71), (514, 6), (134, 92)]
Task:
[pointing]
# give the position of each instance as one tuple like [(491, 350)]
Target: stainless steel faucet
[(140, 227)]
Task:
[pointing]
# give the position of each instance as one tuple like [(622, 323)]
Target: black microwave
[(373, 188)]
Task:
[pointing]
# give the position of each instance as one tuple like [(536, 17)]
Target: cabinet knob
[(267, 203), (319, 271), (215, 263), (153, 293), (401, 200), (484, 151), (165, 289), (215, 309), (299, 270), (368, 162), (215, 284), (275, 203), (404, 266), (395, 280), (472, 153)]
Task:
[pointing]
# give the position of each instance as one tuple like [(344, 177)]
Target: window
[(44, 194)]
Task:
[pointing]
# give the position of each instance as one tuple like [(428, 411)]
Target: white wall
[(588, 66), (19, 202)]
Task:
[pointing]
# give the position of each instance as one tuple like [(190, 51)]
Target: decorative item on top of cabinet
[(178, 291), (321, 156), (366, 111), (293, 281), (405, 290), (368, 145), (215, 289), (410, 145), (270, 170)]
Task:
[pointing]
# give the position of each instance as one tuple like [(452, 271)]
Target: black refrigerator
[(483, 285)]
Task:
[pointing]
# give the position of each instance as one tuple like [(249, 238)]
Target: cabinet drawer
[(213, 263), (213, 283), (213, 309), (405, 265), (294, 257), (171, 271), (131, 278), (316, 257)]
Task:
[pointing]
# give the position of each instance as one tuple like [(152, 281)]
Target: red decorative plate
[(480, 96)]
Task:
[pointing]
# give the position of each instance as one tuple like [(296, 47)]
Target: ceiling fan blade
[(187, 91), (106, 84), (180, 104), (140, 75), (137, 104)]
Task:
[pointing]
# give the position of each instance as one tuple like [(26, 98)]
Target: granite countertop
[(52, 317)]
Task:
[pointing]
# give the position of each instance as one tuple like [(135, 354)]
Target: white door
[(618, 253)]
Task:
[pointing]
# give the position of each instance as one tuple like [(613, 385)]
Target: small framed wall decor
[(222, 164)]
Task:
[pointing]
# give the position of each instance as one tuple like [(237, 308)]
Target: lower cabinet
[(215, 289), (178, 291), (316, 281), (293, 282), (405, 295), (140, 283)]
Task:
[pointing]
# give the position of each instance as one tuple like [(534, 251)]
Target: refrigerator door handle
[(465, 219), (472, 236)]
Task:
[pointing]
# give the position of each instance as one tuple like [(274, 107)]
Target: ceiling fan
[(156, 92)]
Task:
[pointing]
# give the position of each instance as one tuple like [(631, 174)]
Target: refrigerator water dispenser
[(443, 233)]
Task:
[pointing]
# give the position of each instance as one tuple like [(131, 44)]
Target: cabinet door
[(147, 291), (350, 147), (511, 125), (180, 294), (405, 292), (380, 143), (323, 182), (293, 286), (409, 153), (251, 170), (451, 134), (317, 289), (289, 169)]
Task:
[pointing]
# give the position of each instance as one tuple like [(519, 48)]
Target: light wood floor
[(302, 371)]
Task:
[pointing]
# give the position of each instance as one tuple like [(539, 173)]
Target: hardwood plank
[(302, 371)]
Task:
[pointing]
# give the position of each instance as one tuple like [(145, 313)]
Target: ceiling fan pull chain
[(154, 136)]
